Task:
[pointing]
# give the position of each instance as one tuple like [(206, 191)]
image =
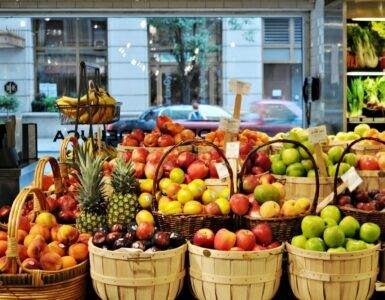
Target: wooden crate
[(372, 179), (332, 276), (129, 274), (361, 149), (234, 275)]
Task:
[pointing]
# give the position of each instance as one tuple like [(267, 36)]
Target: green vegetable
[(379, 27), (381, 89), (370, 89), (355, 96)]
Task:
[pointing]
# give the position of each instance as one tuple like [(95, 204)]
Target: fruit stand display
[(41, 258), (334, 258)]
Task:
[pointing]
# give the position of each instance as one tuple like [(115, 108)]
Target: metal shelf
[(366, 73), (358, 120)]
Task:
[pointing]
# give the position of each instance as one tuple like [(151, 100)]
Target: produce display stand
[(284, 228), (232, 275), (187, 225), (37, 284), (135, 275)]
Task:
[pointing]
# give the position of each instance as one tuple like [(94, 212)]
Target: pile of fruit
[(165, 134), (46, 245), (373, 200), (258, 238), (143, 236), (99, 108), (361, 130), (329, 233)]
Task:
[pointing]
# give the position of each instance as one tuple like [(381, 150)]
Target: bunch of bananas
[(100, 107)]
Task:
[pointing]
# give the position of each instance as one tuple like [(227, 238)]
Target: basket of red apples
[(137, 261), (262, 198), (188, 196), (228, 265), (40, 258)]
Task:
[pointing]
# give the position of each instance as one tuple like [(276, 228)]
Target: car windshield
[(150, 114), (213, 113), (177, 113)]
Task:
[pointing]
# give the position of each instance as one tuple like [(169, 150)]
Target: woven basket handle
[(39, 172), (347, 150), (194, 142), (298, 144), (12, 256), (63, 154)]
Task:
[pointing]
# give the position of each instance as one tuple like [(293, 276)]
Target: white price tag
[(232, 150), (222, 170), (351, 179), (318, 135), (229, 125)]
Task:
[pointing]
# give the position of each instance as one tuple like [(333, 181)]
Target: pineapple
[(123, 203), (90, 192)]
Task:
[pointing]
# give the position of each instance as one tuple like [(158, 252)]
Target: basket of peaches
[(262, 197), (39, 257), (189, 196)]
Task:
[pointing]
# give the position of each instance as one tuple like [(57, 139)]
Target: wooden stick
[(329, 199)]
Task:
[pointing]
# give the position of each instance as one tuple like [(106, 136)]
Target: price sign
[(232, 149), (222, 170), (351, 179), (318, 135), (229, 125)]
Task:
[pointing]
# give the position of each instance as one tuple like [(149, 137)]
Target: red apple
[(213, 209), (204, 238), (139, 155), (168, 166), (254, 211), (224, 240), (267, 179), (245, 148), (197, 170), (187, 178), (166, 140), (259, 247), (368, 162), (205, 157), (249, 183), (215, 155), (185, 159), (154, 157), (239, 204), (126, 156), (145, 230), (343, 200), (67, 202), (381, 160), (53, 203), (67, 216), (149, 170), (273, 245), (138, 134), (139, 170), (212, 169), (263, 233), (262, 160), (236, 249), (257, 170), (245, 239)]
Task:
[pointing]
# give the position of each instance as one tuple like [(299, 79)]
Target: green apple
[(351, 159), (349, 226), (351, 136), (331, 170), (327, 160), (311, 173), (337, 250), (209, 196), (299, 241), (341, 136), (329, 222), (278, 167), (370, 232), (290, 136), (312, 226), (332, 212), (290, 156), (266, 192), (335, 153), (275, 157), (177, 175), (309, 146), (307, 164), (334, 236), (361, 129), (355, 245), (344, 167), (224, 193), (315, 244), (296, 170), (302, 134)]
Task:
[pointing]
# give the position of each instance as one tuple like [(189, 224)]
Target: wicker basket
[(39, 174), (330, 276), (362, 216), (64, 164), (368, 149), (326, 146), (137, 275), (284, 228), (187, 225), (37, 284), (231, 275)]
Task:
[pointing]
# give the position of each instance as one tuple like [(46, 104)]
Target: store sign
[(318, 135), (351, 179), (111, 135), (10, 87)]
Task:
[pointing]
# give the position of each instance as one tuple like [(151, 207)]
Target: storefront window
[(60, 46)]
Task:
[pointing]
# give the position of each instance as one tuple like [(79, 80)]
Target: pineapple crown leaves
[(90, 192), (123, 178)]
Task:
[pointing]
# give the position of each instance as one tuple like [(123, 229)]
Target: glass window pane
[(55, 32), (92, 33)]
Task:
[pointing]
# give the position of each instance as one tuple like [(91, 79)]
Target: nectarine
[(3, 247), (46, 219), (31, 264), (36, 248), (42, 230), (30, 237), (51, 261), (68, 262), (3, 236), (78, 251), (21, 234), (67, 234), (56, 247), (22, 251), (84, 238)]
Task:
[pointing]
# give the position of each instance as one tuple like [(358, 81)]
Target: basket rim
[(280, 219), (239, 255), (330, 256), (184, 216), (364, 212)]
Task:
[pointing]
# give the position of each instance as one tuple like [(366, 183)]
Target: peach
[(24, 223), (67, 234), (51, 261), (78, 251), (36, 248), (54, 231), (3, 236), (30, 237), (46, 219), (68, 262), (3, 261), (224, 240), (56, 247), (84, 238), (3, 248), (42, 230), (31, 264), (22, 251), (21, 234)]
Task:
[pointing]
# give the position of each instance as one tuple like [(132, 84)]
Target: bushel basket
[(66, 284), (284, 228), (187, 225)]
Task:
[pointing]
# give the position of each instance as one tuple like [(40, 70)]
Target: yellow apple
[(163, 202), (174, 207), (192, 208), (303, 204), (224, 205), (269, 209), (289, 208), (209, 196), (281, 189)]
